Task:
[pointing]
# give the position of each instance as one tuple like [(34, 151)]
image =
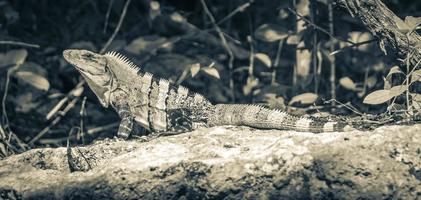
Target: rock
[(226, 162)]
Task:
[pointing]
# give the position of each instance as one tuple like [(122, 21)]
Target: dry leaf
[(212, 72), (305, 98), (264, 58), (13, 57), (194, 69), (347, 83), (33, 79), (271, 33)]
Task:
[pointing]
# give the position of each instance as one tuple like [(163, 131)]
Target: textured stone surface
[(227, 162)]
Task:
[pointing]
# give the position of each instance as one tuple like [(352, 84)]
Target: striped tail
[(260, 117)]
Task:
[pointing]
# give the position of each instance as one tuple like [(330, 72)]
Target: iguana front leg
[(126, 124)]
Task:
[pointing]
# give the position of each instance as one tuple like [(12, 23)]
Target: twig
[(107, 16), (350, 107), (54, 122), (102, 128), (5, 119), (318, 27), (251, 57), (353, 45), (313, 16), (13, 148), (226, 46), (82, 114), (60, 104), (2, 133), (332, 59), (295, 46), (250, 77), (241, 8), (120, 22), (277, 60), (70, 160), (16, 43)]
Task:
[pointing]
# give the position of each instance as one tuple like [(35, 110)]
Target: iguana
[(153, 103)]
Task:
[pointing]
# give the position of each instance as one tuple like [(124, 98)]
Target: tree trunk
[(383, 24)]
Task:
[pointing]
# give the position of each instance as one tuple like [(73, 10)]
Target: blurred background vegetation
[(241, 51)]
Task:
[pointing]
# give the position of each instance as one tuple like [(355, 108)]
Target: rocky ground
[(226, 162)]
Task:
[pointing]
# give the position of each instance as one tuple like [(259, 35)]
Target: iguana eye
[(88, 56)]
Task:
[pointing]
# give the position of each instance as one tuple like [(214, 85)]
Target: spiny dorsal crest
[(123, 61)]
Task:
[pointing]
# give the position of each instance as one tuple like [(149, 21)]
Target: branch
[(383, 24)]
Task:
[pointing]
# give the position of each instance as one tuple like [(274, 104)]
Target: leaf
[(33, 79), (347, 83), (371, 81), (303, 62), (387, 84), (34, 68), (381, 96), (212, 72), (271, 33), (194, 69), (154, 5), (274, 101), (251, 83), (412, 22), (305, 98), (398, 90), (25, 103), (394, 70), (409, 25), (77, 91), (416, 97), (294, 39), (388, 79), (264, 58), (358, 37), (416, 105), (416, 76), (177, 17), (13, 57), (146, 44), (402, 26), (377, 97)]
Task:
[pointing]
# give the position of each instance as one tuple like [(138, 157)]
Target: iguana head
[(94, 69)]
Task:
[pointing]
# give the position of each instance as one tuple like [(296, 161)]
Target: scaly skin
[(145, 101)]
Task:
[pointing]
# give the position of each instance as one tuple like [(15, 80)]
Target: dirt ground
[(226, 162)]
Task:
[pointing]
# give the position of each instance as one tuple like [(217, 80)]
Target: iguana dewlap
[(144, 100)]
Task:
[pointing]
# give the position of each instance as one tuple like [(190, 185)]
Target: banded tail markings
[(172, 100), (329, 126), (250, 114), (153, 99), (182, 94), (277, 117), (159, 119), (145, 90), (303, 124), (198, 99)]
